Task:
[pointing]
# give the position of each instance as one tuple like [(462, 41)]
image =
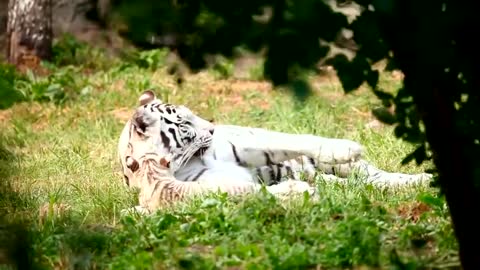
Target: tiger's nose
[(212, 130)]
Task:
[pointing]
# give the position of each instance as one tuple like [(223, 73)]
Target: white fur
[(256, 148)]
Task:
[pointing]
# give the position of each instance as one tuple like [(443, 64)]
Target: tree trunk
[(450, 149), (433, 91), (456, 172), (29, 32)]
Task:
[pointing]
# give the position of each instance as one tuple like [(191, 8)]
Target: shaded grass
[(66, 166)]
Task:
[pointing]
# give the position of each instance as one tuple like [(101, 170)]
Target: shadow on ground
[(15, 240), (27, 236)]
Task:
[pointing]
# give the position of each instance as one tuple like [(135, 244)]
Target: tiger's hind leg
[(255, 147), (308, 168), (297, 169), (383, 178)]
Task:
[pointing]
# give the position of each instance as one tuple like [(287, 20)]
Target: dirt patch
[(375, 124), (413, 211), (234, 93), (238, 86), (42, 113), (122, 114), (118, 85), (36, 113), (40, 125), (56, 210), (327, 77), (197, 248), (5, 116)]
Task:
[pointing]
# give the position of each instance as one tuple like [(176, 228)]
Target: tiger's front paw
[(338, 151), (291, 187)]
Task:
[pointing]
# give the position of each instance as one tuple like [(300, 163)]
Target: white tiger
[(150, 170), (248, 154)]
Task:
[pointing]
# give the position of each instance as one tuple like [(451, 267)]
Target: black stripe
[(272, 175), (268, 160), (171, 130), (156, 186), (165, 140), (289, 171), (237, 158), (199, 174), (167, 121), (187, 179), (312, 161), (130, 131), (140, 123), (279, 173), (259, 174)]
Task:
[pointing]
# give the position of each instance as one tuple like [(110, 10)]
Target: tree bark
[(29, 32), (433, 91), (456, 173), (450, 149)]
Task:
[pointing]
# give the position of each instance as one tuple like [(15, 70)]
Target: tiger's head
[(173, 129)]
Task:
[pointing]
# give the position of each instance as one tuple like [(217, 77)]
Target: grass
[(65, 184)]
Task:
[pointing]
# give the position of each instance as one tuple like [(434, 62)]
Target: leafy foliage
[(69, 51), (56, 87), (150, 59), (62, 83), (8, 93)]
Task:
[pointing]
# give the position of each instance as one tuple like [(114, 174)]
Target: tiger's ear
[(146, 97), (138, 125), (164, 162)]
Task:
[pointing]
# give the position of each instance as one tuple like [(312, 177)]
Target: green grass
[(65, 184)]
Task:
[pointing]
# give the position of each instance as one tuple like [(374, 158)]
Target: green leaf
[(431, 200), (209, 203)]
